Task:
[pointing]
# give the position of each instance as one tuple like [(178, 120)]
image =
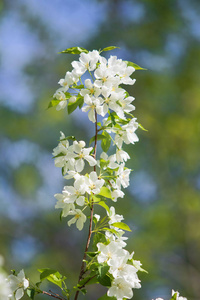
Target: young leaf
[(52, 276), (99, 137), (103, 269), (72, 106), (140, 126), (174, 297), (105, 281), (105, 143), (102, 203), (121, 225), (53, 103), (98, 238), (136, 67), (74, 50), (30, 293), (109, 48), (105, 192)]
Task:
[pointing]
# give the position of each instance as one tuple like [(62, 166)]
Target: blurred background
[(163, 201)]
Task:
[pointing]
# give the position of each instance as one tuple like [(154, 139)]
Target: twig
[(51, 294), (82, 271)]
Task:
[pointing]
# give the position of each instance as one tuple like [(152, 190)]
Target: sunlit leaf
[(122, 226), (135, 66), (74, 50)]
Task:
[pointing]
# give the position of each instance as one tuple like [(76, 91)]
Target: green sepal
[(30, 292), (74, 50), (53, 103), (105, 143), (80, 86), (109, 48), (135, 66), (121, 225)]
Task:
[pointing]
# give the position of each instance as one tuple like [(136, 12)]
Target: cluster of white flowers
[(100, 95), (120, 261), (177, 296)]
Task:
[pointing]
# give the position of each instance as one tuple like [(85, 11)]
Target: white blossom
[(18, 284), (120, 289), (93, 183), (82, 153), (87, 61), (79, 218)]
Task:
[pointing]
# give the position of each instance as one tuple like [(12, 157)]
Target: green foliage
[(30, 292), (74, 50), (72, 106), (105, 143), (99, 137), (121, 225), (52, 276), (135, 66), (105, 192), (109, 48), (53, 103)]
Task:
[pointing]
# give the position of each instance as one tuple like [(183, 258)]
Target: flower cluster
[(122, 268), (100, 95), (175, 296)]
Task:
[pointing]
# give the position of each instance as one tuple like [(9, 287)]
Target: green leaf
[(136, 67), (105, 281), (98, 238), (88, 280), (72, 106), (109, 48), (53, 103), (102, 203), (52, 276), (105, 143), (140, 126), (105, 192), (99, 137), (74, 50), (174, 297), (103, 269), (30, 293), (105, 297), (121, 225)]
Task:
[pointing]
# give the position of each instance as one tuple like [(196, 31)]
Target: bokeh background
[(162, 205)]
